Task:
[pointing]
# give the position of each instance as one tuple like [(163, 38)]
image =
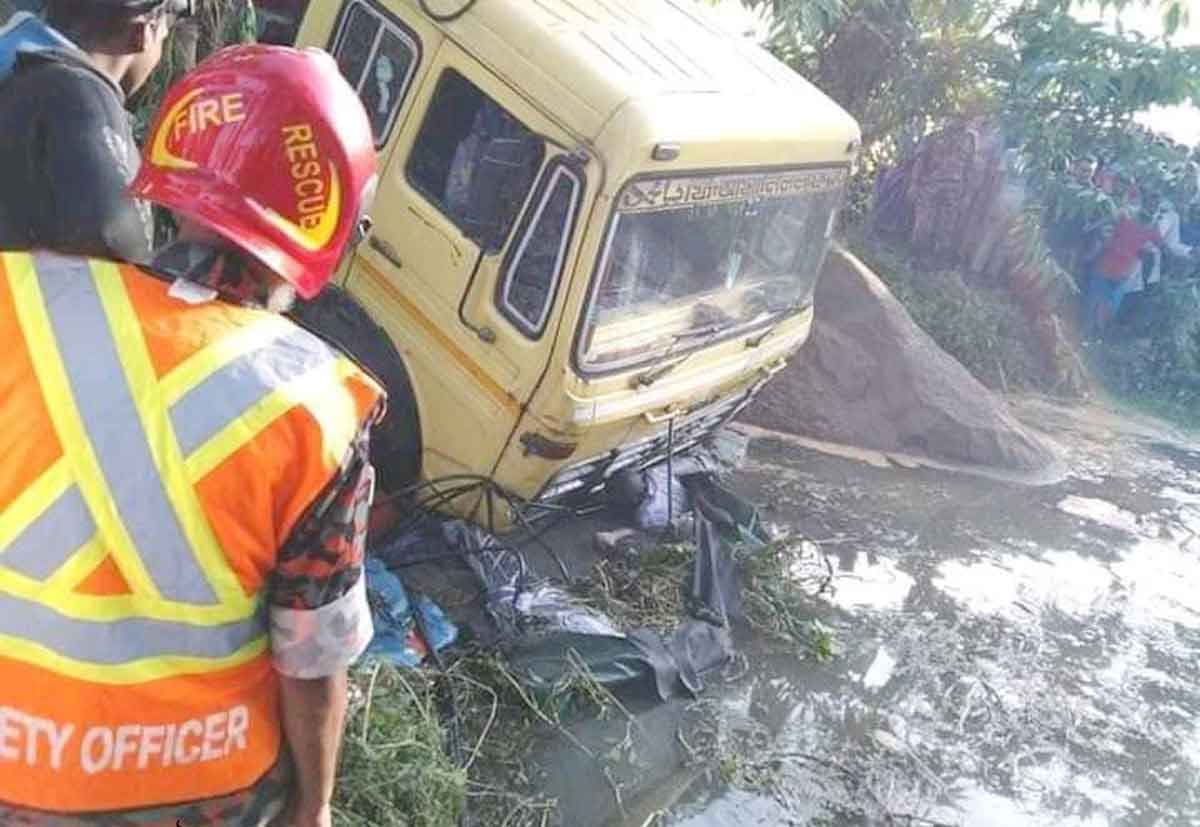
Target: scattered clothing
[(398, 637), (664, 499), (546, 633), (657, 497)]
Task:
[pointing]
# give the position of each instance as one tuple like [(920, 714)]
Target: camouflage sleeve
[(320, 620), (317, 643)]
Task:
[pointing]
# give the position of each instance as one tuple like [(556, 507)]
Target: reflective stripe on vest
[(134, 448)]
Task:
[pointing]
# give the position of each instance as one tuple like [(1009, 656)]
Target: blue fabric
[(392, 611), (27, 33), (1102, 291), (1113, 292)]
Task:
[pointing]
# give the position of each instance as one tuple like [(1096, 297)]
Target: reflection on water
[(980, 808), (1019, 588), (734, 808), (870, 582), (1180, 495), (1100, 511), (1163, 583), (880, 670), (1011, 659), (1153, 583)]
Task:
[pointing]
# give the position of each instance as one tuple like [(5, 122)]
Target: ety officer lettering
[(41, 742)]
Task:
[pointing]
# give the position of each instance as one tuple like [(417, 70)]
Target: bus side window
[(379, 58), (535, 262), (474, 160)]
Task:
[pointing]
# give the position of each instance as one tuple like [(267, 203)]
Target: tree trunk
[(185, 46)]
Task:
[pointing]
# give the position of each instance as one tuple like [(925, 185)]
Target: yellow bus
[(597, 232)]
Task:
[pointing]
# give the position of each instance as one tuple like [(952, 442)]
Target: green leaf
[(1173, 19)]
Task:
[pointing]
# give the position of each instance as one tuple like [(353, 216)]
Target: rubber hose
[(448, 17)]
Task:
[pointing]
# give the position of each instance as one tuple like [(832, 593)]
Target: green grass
[(1149, 365), (396, 767), (1133, 379), (980, 326), (780, 584), (395, 771)]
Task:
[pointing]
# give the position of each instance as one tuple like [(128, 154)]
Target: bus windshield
[(689, 260)]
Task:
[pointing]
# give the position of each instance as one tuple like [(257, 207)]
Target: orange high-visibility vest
[(154, 456)]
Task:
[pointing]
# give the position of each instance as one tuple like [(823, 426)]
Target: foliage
[(900, 67), (1060, 89), (981, 327), (218, 23), (1074, 88), (780, 586), (906, 67), (1151, 360), (426, 748), (394, 771), (822, 644), (1175, 13)]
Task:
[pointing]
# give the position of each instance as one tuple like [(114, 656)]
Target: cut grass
[(779, 591), (396, 770)]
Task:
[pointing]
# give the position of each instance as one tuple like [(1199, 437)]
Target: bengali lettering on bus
[(649, 195)]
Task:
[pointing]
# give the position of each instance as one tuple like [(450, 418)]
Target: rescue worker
[(67, 151), (184, 476)]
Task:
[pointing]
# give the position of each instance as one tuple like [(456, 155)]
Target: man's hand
[(300, 815)]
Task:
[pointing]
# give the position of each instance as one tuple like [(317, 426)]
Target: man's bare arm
[(314, 712)]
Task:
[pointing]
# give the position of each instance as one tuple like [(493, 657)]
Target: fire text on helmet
[(204, 112)]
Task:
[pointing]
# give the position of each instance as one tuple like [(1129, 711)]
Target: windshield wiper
[(648, 378), (785, 313), (696, 333)]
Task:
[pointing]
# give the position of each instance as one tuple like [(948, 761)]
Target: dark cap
[(179, 8)]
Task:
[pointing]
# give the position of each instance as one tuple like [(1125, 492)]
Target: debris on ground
[(395, 771), (527, 651), (398, 634)]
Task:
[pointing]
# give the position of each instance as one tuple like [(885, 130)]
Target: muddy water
[(1010, 656)]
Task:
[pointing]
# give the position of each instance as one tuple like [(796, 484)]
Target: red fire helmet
[(270, 148)]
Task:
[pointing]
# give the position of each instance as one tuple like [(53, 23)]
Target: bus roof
[(592, 57)]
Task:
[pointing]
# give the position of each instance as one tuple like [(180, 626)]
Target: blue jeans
[(1102, 301), (1189, 234)]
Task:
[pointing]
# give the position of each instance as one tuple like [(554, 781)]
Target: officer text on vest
[(41, 742)]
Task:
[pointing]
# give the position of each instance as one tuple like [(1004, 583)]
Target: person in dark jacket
[(67, 150)]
